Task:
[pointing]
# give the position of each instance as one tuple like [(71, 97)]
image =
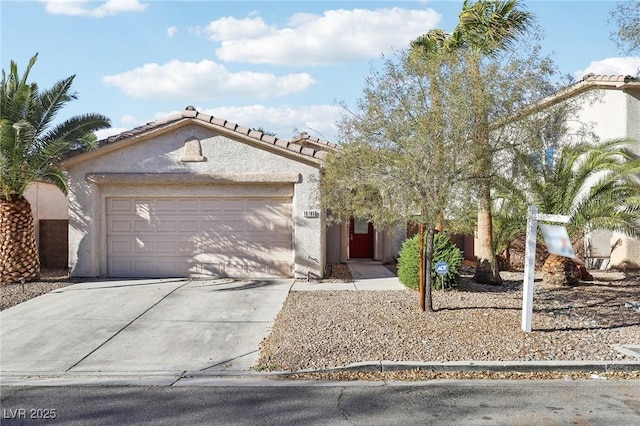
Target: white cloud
[(317, 120), (231, 28), (335, 36), (612, 66), (171, 31), (203, 80), (84, 7), (105, 133), (128, 119)]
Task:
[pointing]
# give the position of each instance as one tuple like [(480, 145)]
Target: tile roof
[(302, 145), (610, 78), (589, 82)]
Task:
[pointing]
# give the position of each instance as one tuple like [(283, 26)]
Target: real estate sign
[(557, 240)]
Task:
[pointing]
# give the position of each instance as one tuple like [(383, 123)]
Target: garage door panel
[(120, 247), (188, 226), (230, 205), (149, 267), (120, 205), (156, 237), (210, 269), (169, 267), (123, 266), (143, 246), (209, 205), (217, 245), (164, 205), (280, 268), (281, 226), (165, 225), (119, 226), (142, 226)]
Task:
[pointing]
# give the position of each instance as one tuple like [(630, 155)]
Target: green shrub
[(443, 249)]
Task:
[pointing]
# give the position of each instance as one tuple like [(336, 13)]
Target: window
[(360, 226)]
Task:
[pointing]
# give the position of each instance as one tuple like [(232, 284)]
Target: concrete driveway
[(144, 326)]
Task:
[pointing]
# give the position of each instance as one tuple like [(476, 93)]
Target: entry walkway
[(367, 275)]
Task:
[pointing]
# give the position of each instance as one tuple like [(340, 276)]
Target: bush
[(443, 249)]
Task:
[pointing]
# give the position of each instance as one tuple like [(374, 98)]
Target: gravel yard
[(13, 294), (322, 329)]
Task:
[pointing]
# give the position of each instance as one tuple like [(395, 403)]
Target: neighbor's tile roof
[(589, 81), (302, 145)]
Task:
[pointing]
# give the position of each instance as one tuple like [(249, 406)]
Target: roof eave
[(260, 140)]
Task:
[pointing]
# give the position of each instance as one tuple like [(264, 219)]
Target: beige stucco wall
[(625, 253), (604, 112), (334, 246), (161, 154), (612, 114), (47, 202)]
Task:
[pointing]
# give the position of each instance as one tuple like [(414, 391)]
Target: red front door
[(360, 239)]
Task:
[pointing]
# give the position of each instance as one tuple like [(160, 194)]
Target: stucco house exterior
[(606, 107), (50, 209), (612, 112), (196, 195)]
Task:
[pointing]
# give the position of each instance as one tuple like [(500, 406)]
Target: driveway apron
[(141, 326)]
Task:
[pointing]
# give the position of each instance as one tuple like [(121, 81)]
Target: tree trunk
[(560, 271), (428, 260), (423, 296), (487, 266), (18, 250)]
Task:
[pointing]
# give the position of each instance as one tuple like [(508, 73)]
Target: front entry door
[(360, 239)]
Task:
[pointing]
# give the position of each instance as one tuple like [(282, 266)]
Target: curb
[(477, 366), (229, 377)]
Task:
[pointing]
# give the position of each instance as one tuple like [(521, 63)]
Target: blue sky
[(279, 65)]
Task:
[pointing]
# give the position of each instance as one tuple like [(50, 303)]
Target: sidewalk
[(367, 275)]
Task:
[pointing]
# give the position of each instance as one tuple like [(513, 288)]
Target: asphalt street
[(330, 403)]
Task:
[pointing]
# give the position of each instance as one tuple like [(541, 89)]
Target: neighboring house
[(605, 107), (50, 216), (613, 112), (196, 195)]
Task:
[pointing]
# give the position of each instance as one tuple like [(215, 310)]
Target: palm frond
[(596, 184), (30, 145)]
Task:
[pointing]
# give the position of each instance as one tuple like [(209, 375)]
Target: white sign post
[(530, 260)]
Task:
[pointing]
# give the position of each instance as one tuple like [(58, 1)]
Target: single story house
[(196, 195)]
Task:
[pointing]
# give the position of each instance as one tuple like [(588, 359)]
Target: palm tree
[(485, 29), (30, 147), (597, 185)]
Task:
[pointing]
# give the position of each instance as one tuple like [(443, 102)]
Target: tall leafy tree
[(30, 148), (400, 161), (430, 49), (486, 28), (626, 17)]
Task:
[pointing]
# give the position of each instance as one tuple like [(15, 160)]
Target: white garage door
[(178, 237)]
